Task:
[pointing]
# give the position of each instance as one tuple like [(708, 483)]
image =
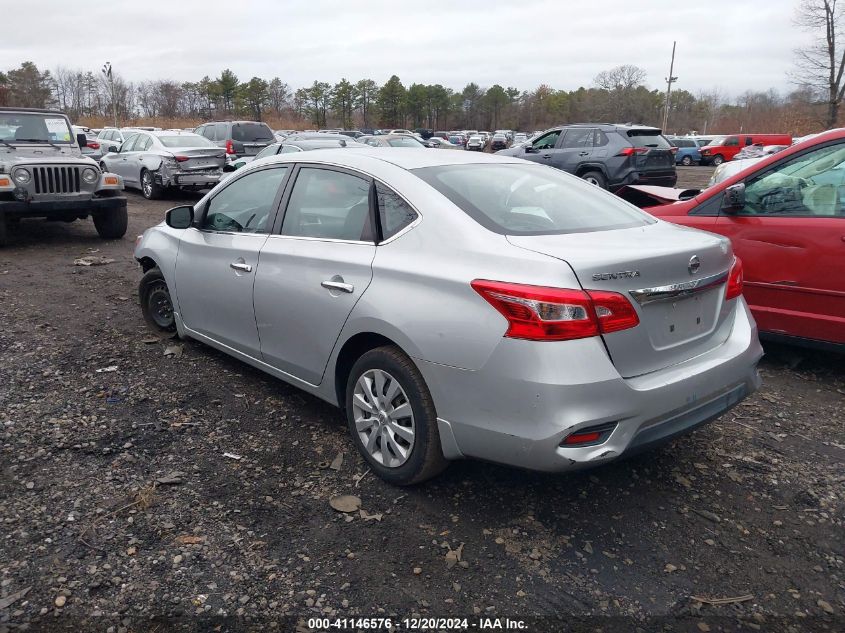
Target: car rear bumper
[(529, 397)]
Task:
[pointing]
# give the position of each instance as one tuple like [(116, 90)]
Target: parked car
[(442, 134), (458, 139), (519, 138), (239, 138), (156, 161), (440, 143), (688, 151), (43, 174), (726, 170), (111, 138), (439, 297), (354, 134), (392, 140), (785, 216), (609, 156), (755, 151), (424, 133), (475, 143), (291, 147), (500, 141), (719, 150), (91, 149)]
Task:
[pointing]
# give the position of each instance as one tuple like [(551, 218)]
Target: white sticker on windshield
[(58, 129)]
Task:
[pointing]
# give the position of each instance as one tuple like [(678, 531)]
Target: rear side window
[(250, 132), (578, 137), (600, 139), (647, 138), (221, 131), (329, 204), (394, 213), (514, 199)]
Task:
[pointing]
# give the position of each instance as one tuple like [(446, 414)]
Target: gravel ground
[(154, 484)]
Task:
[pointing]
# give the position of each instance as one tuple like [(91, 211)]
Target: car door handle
[(241, 266), (337, 285), (583, 153), (547, 155)]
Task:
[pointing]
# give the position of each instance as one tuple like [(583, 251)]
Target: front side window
[(732, 141), (812, 184), (143, 143), (129, 144), (246, 205), (394, 213), (529, 199), (547, 141), (329, 204)]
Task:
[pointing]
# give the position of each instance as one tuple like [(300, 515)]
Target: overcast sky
[(734, 45)]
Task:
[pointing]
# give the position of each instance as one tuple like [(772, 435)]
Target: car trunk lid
[(202, 159), (654, 152), (681, 307)]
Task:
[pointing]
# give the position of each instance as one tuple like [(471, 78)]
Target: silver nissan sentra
[(459, 305)]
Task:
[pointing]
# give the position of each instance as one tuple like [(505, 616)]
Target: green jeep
[(43, 174)]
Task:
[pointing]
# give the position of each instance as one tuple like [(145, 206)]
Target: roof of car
[(35, 110), (319, 143), (403, 157)]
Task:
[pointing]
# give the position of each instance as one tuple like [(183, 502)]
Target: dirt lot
[(120, 510)]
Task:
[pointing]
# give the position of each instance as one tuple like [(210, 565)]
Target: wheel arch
[(585, 167), (351, 350)]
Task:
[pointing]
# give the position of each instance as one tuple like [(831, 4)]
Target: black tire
[(156, 304), (111, 225), (717, 160), (596, 178), (103, 167), (425, 459), (686, 161), (150, 189)]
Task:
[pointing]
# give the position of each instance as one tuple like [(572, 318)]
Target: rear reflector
[(589, 436), (734, 287), (538, 313), (181, 159)]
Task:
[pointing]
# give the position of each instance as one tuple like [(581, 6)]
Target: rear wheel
[(111, 225), (392, 419), (156, 305), (149, 187), (717, 160), (595, 178), (686, 161)]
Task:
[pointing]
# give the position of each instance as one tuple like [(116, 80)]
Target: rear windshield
[(648, 138), (249, 132), (185, 140), (404, 142), (530, 199)]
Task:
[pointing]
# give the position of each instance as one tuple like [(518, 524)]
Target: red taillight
[(734, 287), (556, 314), (181, 159), (630, 151), (230, 148), (93, 145), (674, 150)]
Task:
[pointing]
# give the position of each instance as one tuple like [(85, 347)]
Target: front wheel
[(717, 160), (111, 225), (595, 178), (149, 187), (392, 419), (156, 305)]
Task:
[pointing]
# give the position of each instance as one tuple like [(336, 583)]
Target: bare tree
[(625, 77), (820, 64)]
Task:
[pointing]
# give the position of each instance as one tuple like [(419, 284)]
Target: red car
[(785, 216), (719, 151)]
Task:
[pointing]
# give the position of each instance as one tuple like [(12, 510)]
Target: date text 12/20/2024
[(416, 624)]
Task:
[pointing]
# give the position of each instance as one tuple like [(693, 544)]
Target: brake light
[(734, 287), (673, 149), (230, 148), (93, 145), (180, 159), (631, 151), (538, 313)]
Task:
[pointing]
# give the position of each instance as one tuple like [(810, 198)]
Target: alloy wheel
[(383, 417), (147, 184)]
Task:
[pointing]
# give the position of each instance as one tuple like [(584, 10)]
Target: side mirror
[(81, 140), (114, 148), (179, 217), (530, 149), (734, 198)]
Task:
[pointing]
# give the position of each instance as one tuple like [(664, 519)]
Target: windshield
[(251, 132), (404, 142), (20, 127), (717, 141), (516, 199), (185, 140)]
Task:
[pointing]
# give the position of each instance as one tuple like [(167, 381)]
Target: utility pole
[(108, 74), (669, 81)]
